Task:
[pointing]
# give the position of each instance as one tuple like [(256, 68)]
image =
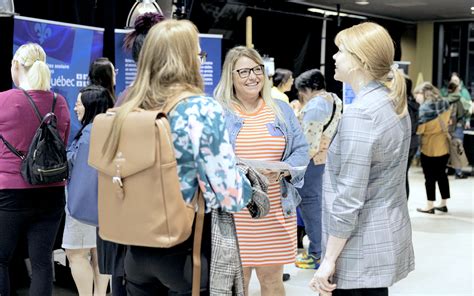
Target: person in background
[(133, 41), (460, 118), (463, 92), (367, 236), (263, 129), (112, 255), (282, 82), (169, 69), (79, 239), (413, 107), (34, 211), (319, 118), (102, 72), (433, 128)]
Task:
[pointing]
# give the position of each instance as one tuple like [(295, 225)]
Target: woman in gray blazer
[(366, 230)]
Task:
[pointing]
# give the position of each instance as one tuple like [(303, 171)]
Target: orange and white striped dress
[(270, 240)]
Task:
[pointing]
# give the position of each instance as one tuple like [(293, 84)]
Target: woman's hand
[(320, 282), (272, 176)]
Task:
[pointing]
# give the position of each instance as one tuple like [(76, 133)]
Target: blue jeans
[(310, 206)]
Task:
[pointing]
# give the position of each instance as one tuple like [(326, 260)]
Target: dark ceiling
[(403, 10)]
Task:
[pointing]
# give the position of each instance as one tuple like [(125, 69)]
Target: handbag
[(457, 155)]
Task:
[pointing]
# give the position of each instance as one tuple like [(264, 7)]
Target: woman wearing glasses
[(263, 129)]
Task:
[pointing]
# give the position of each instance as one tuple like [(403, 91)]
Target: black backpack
[(46, 160)]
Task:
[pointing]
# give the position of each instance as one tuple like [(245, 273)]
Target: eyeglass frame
[(250, 70), (202, 56)]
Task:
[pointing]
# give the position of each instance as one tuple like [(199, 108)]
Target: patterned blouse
[(203, 149), (314, 115)]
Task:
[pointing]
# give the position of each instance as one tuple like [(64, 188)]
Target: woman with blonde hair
[(434, 116), (366, 229), (31, 210), (168, 69), (263, 129)]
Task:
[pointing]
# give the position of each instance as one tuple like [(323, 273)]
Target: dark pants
[(361, 292), (118, 286), (35, 213), (167, 271), (411, 155), (434, 169)]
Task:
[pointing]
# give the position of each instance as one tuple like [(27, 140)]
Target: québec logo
[(43, 32), (82, 80), (61, 81)]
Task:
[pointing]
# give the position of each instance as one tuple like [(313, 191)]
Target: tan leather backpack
[(139, 197)]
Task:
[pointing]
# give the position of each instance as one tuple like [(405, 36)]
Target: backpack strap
[(32, 103), (55, 97), (198, 229), (332, 115), (11, 148)]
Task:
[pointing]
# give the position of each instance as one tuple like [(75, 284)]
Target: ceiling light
[(472, 8), (362, 2), (333, 13)]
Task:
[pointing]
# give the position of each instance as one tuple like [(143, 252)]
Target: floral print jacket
[(205, 156)]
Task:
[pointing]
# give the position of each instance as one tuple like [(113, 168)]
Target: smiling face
[(344, 64), (79, 108), (247, 88)]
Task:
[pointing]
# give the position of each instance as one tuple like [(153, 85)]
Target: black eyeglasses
[(245, 72), (202, 56)]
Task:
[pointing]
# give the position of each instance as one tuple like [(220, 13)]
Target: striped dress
[(272, 239)]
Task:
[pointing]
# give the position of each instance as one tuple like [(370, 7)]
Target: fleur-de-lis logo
[(43, 32)]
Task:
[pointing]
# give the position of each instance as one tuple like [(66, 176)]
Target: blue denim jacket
[(295, 154)]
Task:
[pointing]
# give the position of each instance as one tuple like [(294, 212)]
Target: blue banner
[(124, 63), (210, 70), (70, 49)]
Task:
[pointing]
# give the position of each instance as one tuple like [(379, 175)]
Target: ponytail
[(398, 91), (39, 76), (32, 57)]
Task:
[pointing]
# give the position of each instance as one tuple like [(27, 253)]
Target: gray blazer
[(364, 197)]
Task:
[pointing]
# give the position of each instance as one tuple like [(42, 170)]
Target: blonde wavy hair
[(225, 92), (373, 50), (429, 92), (168, 66), (32, 58)]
